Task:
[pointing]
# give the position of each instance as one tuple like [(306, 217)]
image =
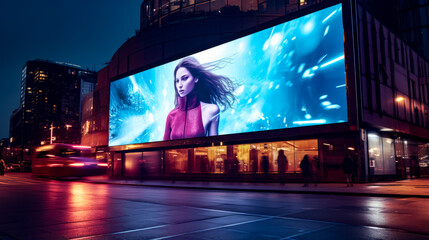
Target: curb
[(266, 190)]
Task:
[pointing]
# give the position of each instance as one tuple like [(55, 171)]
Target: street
[(69, 209)]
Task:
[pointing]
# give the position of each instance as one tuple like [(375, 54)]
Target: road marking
[(213, 228), (117, 233)]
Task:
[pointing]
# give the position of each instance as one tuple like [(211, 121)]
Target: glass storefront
[(243, 158), (381, 153), (387, 157)]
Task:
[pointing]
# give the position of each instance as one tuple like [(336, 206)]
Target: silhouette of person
[(253, 156), (265, 164), (235, 164), (306, 169), (282, 162), (2, 167), (348, 169), (283, 165)]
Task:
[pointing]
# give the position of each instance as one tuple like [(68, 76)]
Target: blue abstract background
[(290, 75)]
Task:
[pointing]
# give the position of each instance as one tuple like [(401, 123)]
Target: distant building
[(95, 112), (50, 103)]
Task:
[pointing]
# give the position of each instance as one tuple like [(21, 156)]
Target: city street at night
[(80, 209)]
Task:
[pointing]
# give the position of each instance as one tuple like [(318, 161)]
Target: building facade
[(386, 83), (50, 104)]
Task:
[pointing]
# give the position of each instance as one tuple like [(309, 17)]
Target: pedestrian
[(282, 162), (265, 164), (2, 167), (306, 170), (283, 165), (348, 169), (235, 164)]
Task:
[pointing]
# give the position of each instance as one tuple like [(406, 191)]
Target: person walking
[(348, 169), (307, 170), (283, 165), (2, 167)]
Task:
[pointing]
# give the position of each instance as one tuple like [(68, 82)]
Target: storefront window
[(374, 152), (209, 160), (132, 164), (381, 155), (243, 158), (216, 159), (389, 156), (176, 161)]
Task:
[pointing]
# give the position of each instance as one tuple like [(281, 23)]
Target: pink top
[(185, 121)]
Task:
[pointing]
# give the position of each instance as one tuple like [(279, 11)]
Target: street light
[(52, 132), (399, 99), (53, 138)]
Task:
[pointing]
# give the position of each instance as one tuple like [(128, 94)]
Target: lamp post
[(52, 131)]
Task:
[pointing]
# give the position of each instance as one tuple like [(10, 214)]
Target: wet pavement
[(405, 188), (100, 208)]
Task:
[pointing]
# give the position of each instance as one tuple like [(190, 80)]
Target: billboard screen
[(290, 75)]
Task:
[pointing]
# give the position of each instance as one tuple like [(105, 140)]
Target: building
[(95, 112), (377, 111), (50, 104), (409, 21)]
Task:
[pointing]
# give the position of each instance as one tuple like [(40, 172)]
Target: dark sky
[(82, 32)]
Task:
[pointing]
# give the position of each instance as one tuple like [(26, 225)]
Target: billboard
[(289, 75)]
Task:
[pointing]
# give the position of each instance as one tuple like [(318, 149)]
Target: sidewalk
[(405, 188)]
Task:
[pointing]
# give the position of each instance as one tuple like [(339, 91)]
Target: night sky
[(82, 32)]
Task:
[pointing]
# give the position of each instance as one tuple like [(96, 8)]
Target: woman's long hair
[(212, 88)]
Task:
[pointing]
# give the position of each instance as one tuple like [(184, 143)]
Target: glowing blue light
[(133, 82), (326, 103), (323, 97), (326, 31), (317, 121), (333, 61), (276, 39), (308, 27), (308, 74), (315, 68), (266, 45), (333, 106), (323, 57), (340, 86), (293, 38), (307, 116), (301, 67), (329, 16)]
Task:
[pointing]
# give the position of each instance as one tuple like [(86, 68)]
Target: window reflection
[(381, 155), (176, 161), (221, 159)]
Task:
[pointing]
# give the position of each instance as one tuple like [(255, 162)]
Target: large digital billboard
[(289, 75)]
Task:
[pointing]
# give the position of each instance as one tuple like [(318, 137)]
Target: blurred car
[(66, 160), (13, 167)]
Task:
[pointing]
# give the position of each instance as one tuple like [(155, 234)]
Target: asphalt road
[(51, 209)]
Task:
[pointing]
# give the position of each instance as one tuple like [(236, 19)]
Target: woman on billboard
[(199, 93)]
